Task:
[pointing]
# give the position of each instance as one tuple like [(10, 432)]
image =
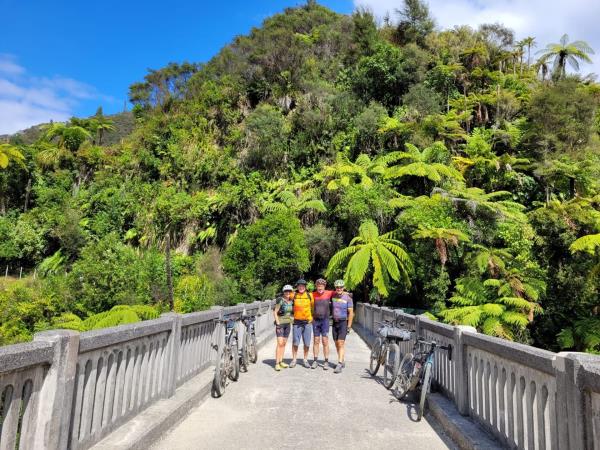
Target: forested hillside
[(454, 171)]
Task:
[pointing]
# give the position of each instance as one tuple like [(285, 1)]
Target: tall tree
[(566, 52), (529, 42), (415, 22)]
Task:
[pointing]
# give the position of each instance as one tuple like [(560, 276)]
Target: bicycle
[(249, 348), (228, 362), (415, 370), (386, 350)]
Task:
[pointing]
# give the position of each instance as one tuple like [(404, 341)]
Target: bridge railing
[(527, 397), (70, 390)]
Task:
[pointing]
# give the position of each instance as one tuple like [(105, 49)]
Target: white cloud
[(27, 100), (546, 20)]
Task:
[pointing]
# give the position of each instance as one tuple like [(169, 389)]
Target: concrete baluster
[(461, 369), (173, 354), (56, 395)]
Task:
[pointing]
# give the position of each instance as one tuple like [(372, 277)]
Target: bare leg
[(341, 350), (316, 347), (306, 349), (294, 352), (325, 347), (281, 341)]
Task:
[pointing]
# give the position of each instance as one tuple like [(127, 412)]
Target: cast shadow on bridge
[(409, 402)]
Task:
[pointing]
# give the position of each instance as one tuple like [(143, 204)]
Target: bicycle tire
[(405, 370), (234, 375), (245, 358), (424, 389), (390, 368), (375, 361), (253, 349), (220, 378)]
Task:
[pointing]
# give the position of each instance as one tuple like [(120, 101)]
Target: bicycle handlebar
[(435, 345)]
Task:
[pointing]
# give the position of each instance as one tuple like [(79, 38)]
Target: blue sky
[(66, 57)]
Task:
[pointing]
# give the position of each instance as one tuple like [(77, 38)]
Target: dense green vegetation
[(446, 170)]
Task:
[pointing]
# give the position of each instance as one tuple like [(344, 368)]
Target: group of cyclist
[(303, 313)]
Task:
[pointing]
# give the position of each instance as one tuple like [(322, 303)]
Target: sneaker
[(326, 365), (306, 364), (292, 364), (315, 364), (343, 364), (283, 365), (338, 368), (277, 367)]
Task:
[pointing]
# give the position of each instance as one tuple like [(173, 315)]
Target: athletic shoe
[(326, 365), (315, 364), (306, 364), (292, 364), (343, 364), (283, 365), (277, 367), (338, 368)]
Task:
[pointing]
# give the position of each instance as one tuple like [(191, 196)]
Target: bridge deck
[(305, 408)]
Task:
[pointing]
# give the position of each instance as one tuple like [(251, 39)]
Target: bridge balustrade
[(70, 390), (526, 397)]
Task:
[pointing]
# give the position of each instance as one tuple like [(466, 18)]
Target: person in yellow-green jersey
[(302, 328), (284, 317)]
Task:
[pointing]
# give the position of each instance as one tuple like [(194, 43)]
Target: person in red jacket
[(321, 313)]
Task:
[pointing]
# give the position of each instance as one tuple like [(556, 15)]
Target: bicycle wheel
[(376, 356), (235, 360), (424, 389), (391, 365), (253, 350), (245, 362), (405, 371), (220, 379)]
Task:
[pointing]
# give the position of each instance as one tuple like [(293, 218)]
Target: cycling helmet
[(321, 281), (339, 283), (301, 281), (287, 288)]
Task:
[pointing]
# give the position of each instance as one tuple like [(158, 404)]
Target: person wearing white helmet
[(284, 317), (343, 313)]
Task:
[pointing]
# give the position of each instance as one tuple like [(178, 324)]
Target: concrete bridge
[(148, 384)]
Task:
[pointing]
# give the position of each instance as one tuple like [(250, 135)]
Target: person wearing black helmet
[(302, 328)]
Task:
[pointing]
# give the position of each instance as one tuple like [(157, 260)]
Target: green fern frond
[(587, 244)]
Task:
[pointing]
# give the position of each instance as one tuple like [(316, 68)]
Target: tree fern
[(381, 255)]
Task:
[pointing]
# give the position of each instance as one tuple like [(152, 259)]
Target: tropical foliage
[(450, 171)]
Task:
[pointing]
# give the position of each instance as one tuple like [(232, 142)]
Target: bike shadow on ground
[(408, 402)]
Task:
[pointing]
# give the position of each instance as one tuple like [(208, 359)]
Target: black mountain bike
[(228, 362), (386, 350), (249, 348), (416, 370)]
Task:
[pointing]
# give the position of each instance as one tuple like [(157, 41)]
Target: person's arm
[(350, 312), (275, 311)]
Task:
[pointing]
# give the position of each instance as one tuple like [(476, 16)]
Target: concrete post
[(174, 351), (218, 335), (572, 418), (56, 395), (461, 369)]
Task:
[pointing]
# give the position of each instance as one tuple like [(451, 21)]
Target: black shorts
[(339, 330), (283, 330)]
